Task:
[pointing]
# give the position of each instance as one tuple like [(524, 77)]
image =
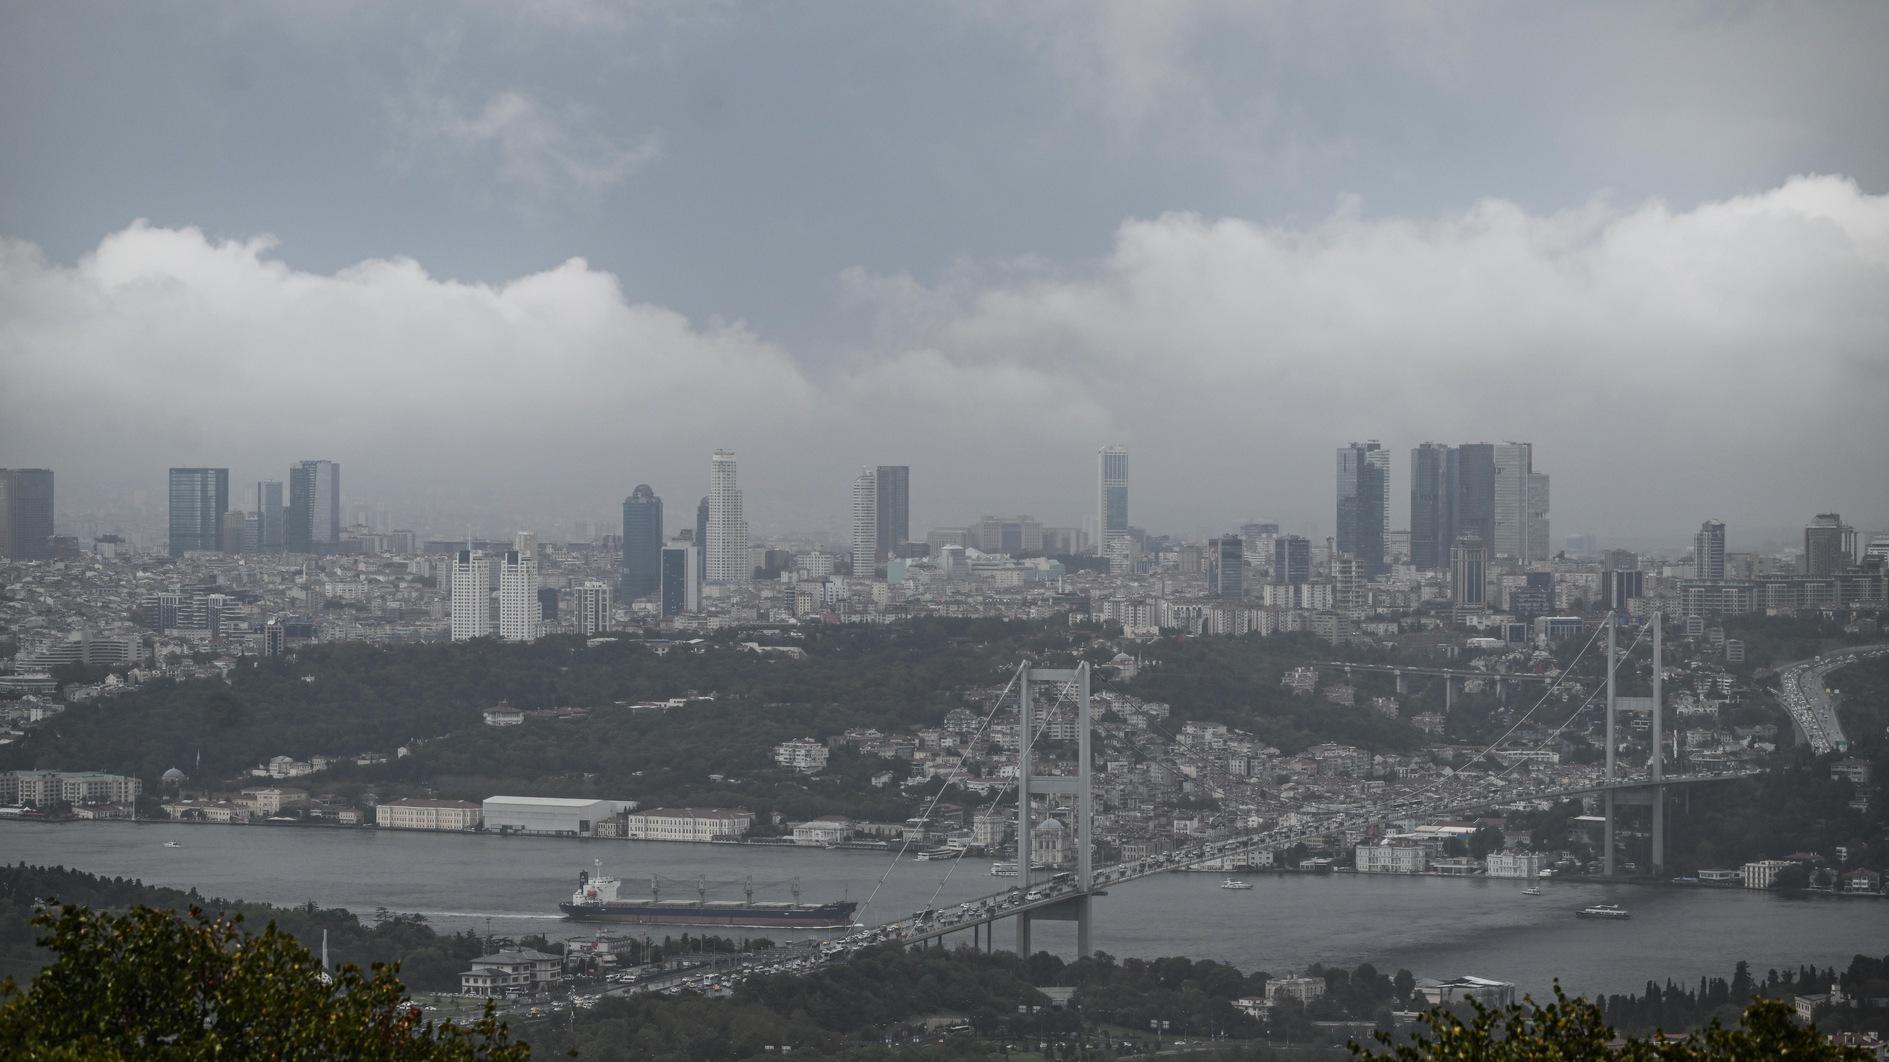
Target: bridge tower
[(1654, 795), (1029, 783)]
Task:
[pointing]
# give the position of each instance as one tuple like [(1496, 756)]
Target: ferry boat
[(596, 901), (1604, 911), (1009, 870), (1235, 883), (946, 852)]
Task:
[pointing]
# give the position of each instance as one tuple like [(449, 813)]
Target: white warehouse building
[(569, 816)]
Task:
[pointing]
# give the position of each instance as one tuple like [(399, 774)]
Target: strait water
[(1436, 927)]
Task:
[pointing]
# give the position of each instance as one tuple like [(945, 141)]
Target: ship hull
[(734, 916)]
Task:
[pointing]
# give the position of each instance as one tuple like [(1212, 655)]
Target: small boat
[(1608, 911), (172, 844), (1235, 883), (1532, 890)]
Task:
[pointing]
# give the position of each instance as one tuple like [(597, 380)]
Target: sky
[(504, 261)]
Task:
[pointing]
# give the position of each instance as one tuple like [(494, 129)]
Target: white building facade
[(519, 618), (727, 557), (471, 596), (590, 604), (865, 523)]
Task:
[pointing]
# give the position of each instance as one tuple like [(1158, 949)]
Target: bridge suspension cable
[(905, 842), (1022, 857)]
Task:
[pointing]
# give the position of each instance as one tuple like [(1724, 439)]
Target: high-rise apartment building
[(1432, 506), (314, 524), (471, 596), (1708, 551), (198, 499), (1469, 572), (271, 516), (727, 545), (1361, 517), (1381, 457), (1111, 507), (1347, 585), (681, 578), (26, 513), (1521, 504), (1291, 560), (1226, 566), (865, 537), (591, 606), (895, 507), (1828, 545), (519, 616), (642, 543)]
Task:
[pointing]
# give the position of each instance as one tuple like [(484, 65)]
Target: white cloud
[(1730, 360), (1726, 361)]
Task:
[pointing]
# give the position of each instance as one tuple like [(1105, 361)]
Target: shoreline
[(788, 845)]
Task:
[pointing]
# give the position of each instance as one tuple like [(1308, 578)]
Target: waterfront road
[(1801, 691)]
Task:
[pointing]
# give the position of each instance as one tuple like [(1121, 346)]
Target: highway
[(1801, 691)]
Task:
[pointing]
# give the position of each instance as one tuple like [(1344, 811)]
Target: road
[(1801, 691)]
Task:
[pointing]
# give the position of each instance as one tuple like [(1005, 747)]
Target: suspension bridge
[(1069, 894)]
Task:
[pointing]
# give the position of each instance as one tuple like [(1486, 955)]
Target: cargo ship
[(596, 901)]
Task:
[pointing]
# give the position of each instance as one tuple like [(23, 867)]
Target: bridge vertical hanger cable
[(905, 842), (1638, 637), (1022, 871)]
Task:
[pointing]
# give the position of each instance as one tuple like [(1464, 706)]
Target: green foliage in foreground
[(153, 984), (429, 960), (1574, 1029)]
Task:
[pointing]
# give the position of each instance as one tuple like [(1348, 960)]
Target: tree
[(1574, 1029), (1403, 985), (154, 984)]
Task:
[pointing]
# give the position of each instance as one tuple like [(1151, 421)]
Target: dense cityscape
[(634, 530), (1458, 723)]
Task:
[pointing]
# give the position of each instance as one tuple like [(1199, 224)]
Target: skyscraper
[(26, 513), (865, 523), (471, 596), (270, 514), (1469, 476), (1469, 572), (1226, 566), (727, 546), (198, 499), (314, 507), (642, 543), (895, 507), (1521, 504), (592, 601), (681, 578), (1708, 551), (518, 612), (1111, 507), (1380, 457), (1361, 523), (1825, 542), (701, 526), (1291, 560), (1431, 506)]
